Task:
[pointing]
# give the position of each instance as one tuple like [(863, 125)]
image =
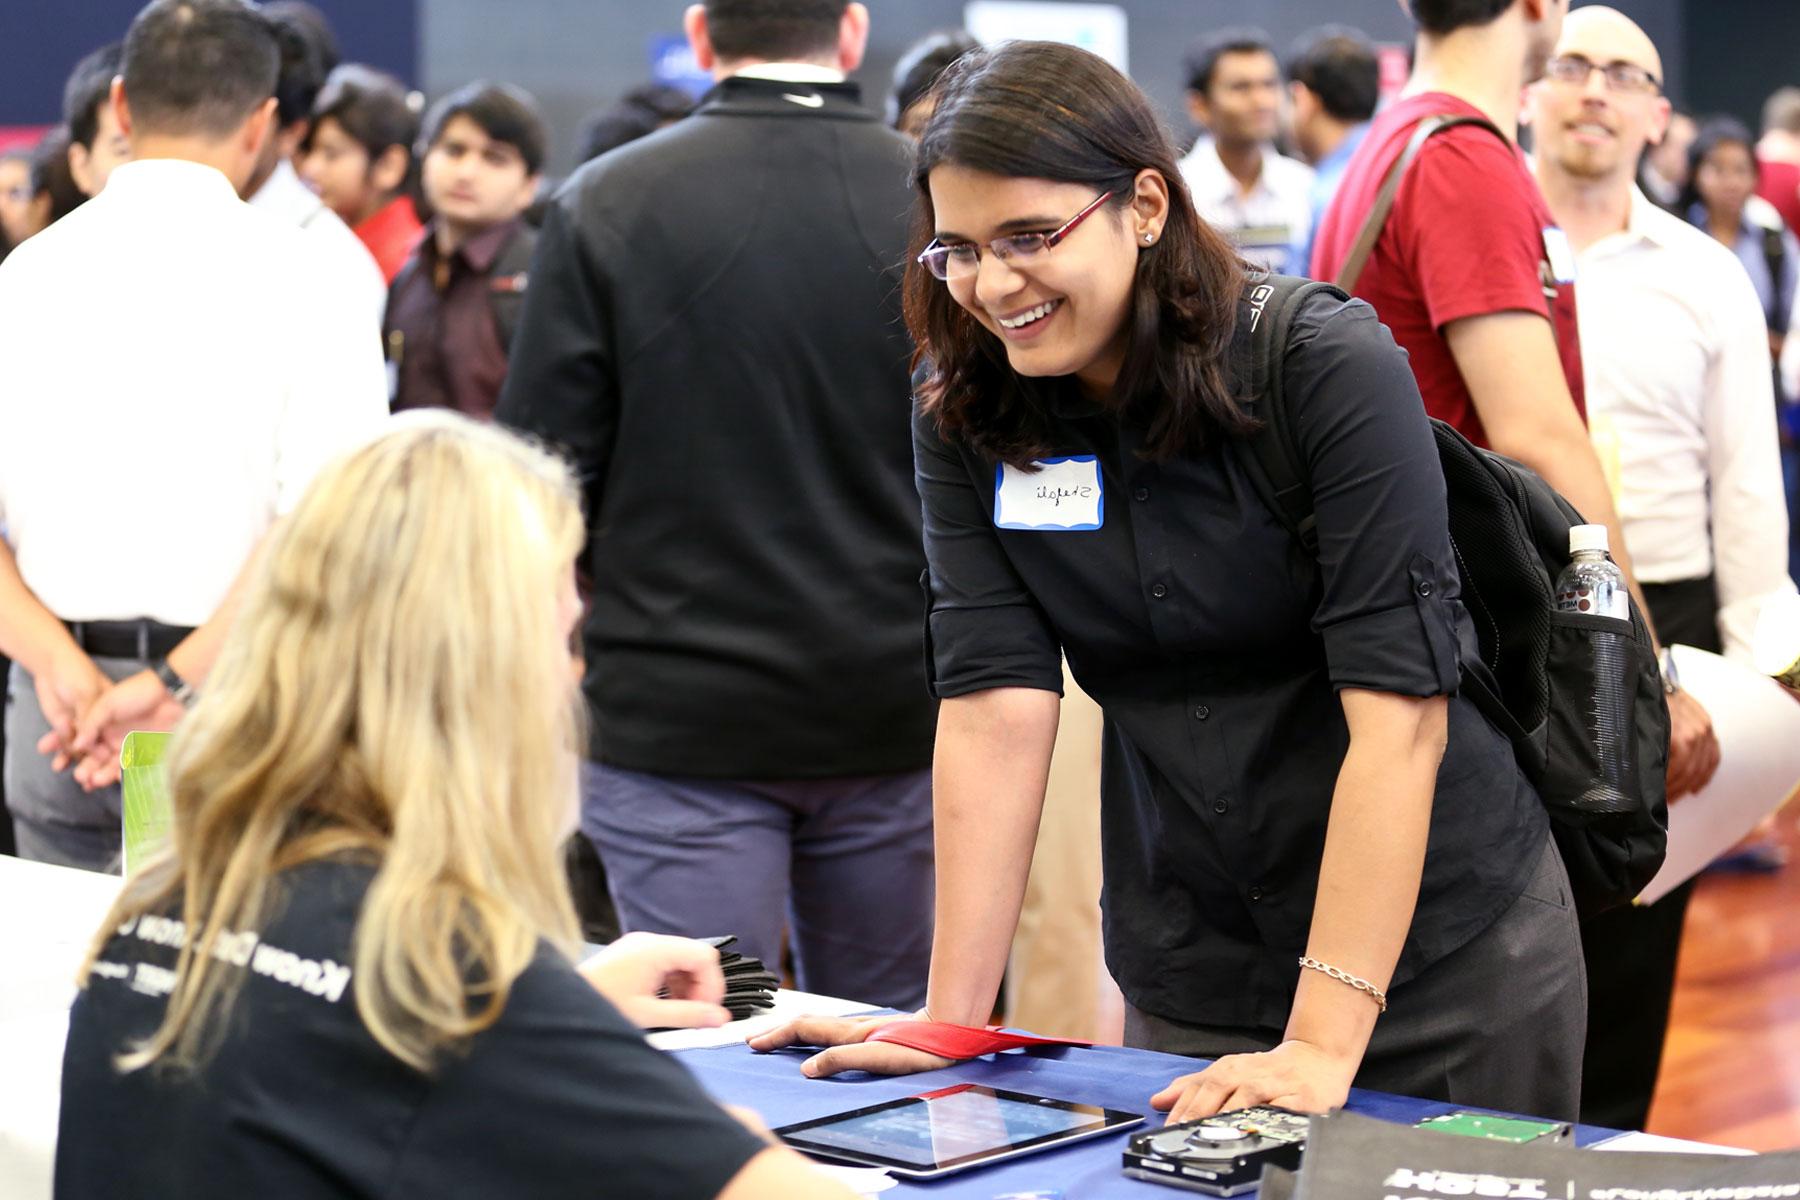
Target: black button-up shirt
[(1216, 645)]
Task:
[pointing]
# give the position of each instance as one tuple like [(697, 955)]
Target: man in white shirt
[(218, 372), (1259, 199), (276, 186), (1679, 398)]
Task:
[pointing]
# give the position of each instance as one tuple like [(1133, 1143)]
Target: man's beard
[(1589, 168)]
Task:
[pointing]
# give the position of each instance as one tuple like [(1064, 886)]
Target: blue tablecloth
[(1105, 1075)]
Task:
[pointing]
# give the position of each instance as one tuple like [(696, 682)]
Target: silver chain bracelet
[(1361, 985)]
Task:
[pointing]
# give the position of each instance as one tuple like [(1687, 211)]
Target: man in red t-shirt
[(1778, 155), (1470, 265), (1469, 235), (1471, 272)]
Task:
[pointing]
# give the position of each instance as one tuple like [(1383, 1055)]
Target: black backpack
[(1579, 695)]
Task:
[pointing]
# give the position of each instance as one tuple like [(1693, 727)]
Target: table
[(48, 916), (1111, 1076)]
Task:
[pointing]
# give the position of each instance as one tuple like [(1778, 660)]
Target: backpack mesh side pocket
[(1593, 762)]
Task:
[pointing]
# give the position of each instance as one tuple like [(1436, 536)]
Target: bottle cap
[(1587, 537)]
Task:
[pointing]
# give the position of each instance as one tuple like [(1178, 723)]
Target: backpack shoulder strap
[(1775, 255), (1278, 471), (1376, 221)]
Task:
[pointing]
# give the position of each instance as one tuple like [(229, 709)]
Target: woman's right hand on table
[(847, 1048)]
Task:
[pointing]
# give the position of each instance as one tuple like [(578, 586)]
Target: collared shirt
[(1216, 647), (441, 335), (178, 366), (1759, 224), (391, 235), (1271, 224), (1328, 172), (791, 72), (284, 195), (1677, 363)]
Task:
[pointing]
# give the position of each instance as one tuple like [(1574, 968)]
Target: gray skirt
[(1498, 1023)]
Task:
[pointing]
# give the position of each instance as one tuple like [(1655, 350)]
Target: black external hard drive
[(1220, 1156)]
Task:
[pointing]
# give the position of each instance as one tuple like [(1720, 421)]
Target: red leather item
[(960, 1041)]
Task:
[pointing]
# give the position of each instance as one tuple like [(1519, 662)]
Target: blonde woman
[(351, 974)]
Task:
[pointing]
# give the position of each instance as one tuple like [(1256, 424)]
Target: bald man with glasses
[(1682, 413)]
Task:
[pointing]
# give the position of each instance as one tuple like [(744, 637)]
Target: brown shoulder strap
[(1372, 225)]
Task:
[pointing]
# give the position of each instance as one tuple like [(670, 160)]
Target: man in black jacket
[(713, 333)]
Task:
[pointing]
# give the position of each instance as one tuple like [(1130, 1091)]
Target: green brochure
[(147, 806)]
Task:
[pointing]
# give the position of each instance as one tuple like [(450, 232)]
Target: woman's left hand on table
[(1295, 1074)]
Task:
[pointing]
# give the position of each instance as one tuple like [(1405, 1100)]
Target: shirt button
[(1256, 893), (1202, 712), (1140, 494), (1220, 807), (1425, 587), (1159, 591)]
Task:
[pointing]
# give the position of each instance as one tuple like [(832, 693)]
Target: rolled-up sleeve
[(983, 628), (1388, 610)]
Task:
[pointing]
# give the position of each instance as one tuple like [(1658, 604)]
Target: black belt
[(143, 639)]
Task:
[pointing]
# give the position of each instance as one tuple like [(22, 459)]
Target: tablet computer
[(951, 1129)]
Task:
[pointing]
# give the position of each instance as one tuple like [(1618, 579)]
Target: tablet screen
[(955, 1126)]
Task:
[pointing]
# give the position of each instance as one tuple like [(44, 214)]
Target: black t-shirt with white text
[(560, 1097)]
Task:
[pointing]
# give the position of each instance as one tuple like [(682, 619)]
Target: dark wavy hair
[(1713, 133), (1043, 110)]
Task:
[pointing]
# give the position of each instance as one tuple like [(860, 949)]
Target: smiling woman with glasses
[(958, 260), (1282, 735)]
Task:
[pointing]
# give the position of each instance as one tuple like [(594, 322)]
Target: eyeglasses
[(1620, 76), (961, 260)]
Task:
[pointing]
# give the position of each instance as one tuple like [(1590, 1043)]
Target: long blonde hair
[(395, 684)]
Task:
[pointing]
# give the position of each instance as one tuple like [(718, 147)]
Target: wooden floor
[(1731, 1069)]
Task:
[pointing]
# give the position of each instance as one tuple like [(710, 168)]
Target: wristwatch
[(178, 687), (1671, 679)]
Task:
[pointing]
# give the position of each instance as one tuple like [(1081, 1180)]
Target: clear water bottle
[(1592, 583)]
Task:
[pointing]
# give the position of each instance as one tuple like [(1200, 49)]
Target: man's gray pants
[(54, 821), (843, 865)]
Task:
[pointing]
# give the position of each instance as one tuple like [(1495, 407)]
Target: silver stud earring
[(1149, 238)]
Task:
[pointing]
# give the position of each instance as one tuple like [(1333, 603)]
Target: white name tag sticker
[(1559, 254), (1063, 495)]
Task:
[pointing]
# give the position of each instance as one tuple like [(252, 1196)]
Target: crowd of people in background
[(1273, 134), (753, 551)]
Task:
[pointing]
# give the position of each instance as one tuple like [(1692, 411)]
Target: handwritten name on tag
[(1063, 495)]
